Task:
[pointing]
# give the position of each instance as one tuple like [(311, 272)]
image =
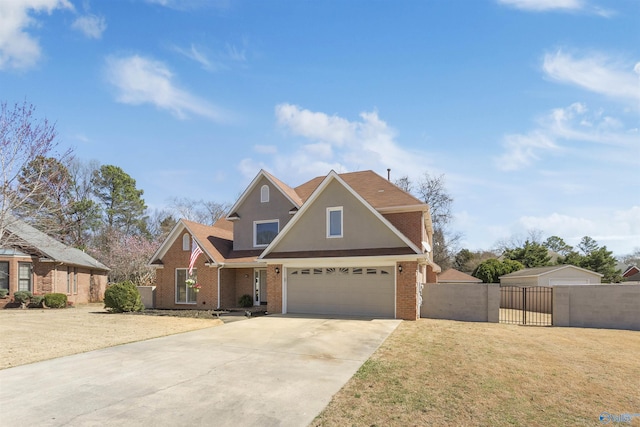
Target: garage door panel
[(342, 291)]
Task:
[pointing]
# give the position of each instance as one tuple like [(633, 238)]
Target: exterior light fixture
[(400, 268), (277, 270)]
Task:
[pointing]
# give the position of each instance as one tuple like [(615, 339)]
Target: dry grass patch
[(439, 372), (33, 335)]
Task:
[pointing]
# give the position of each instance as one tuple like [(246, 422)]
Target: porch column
[(407, 290), (275, 273)]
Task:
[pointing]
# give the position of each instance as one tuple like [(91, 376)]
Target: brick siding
[(407, 291)]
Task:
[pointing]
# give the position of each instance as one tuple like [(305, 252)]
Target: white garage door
[(351, 291)]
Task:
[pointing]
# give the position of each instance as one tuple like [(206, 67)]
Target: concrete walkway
[(265, 371)]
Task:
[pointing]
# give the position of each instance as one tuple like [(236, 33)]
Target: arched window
[(264, 194), (186, 242)]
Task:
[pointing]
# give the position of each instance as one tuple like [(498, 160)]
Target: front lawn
[(439, 372)]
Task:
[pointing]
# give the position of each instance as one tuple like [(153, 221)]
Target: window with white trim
[(185, 294), (25, 277), (264, 232), (264, 194), (334, 222), (4, 275), (186, 242)]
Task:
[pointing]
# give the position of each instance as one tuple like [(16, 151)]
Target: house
[(631, 274), (38, 263), (551, 275), (340, 244), (456, 276)]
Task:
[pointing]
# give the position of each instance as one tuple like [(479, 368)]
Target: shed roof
[(453, 275)]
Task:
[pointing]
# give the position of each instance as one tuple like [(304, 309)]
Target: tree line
[(86, 205)]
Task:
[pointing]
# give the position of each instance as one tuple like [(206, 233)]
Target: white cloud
[(522, 150), (140, 80), (265, 149), (333, 142), (191, 4), (619, 230), (18, 48), (557, 6), (196, 54), (595, 72), (561, 128), (92, 26), (544, 5)]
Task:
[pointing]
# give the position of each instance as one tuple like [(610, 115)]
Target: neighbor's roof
[(539, 271), (51, 249), (379, 192), (453, 275)]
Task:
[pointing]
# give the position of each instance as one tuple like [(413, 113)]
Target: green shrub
[(55, 300), (123, 297), (4, 292), (22, 297), (245, 301), (36, 301)]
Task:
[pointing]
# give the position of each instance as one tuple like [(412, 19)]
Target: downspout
[(220, 267)]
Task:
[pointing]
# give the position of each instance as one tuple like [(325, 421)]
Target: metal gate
[(526, 305)]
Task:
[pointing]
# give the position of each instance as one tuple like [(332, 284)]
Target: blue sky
[(530, 108)]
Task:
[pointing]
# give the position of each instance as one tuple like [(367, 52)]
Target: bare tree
[(204, 212), (432, 190), (23, 140)]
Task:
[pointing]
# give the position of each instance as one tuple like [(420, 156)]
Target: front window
[(24, 276), (264, 232), (184, 294), (4, 275), (334, 222)]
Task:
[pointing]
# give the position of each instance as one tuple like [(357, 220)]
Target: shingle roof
[(539, 271), (453, 275), (217, 241), (51, 248), (376, 190), (285, 188)]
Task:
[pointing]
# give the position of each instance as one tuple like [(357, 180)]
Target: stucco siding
[(361, 228), (252, 209)]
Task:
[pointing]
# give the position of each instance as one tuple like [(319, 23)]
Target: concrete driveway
[(265, 371)]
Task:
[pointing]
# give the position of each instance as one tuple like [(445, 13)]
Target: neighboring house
[(552, 275), (455, 276), (40, 264), (631, 274), (340, 244)]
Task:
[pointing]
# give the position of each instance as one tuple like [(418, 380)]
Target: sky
[(529, 108)]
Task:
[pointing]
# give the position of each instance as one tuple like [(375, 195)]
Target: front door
[(260, 287)]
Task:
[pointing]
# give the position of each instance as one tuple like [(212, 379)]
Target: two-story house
[(341, 244)]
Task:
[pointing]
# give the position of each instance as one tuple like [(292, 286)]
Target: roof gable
[(287, 191), (313, 197), (216, 241)]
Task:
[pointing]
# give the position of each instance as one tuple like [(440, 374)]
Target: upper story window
[(334, 222), (186, 242), (264, 194), (264, 232)]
